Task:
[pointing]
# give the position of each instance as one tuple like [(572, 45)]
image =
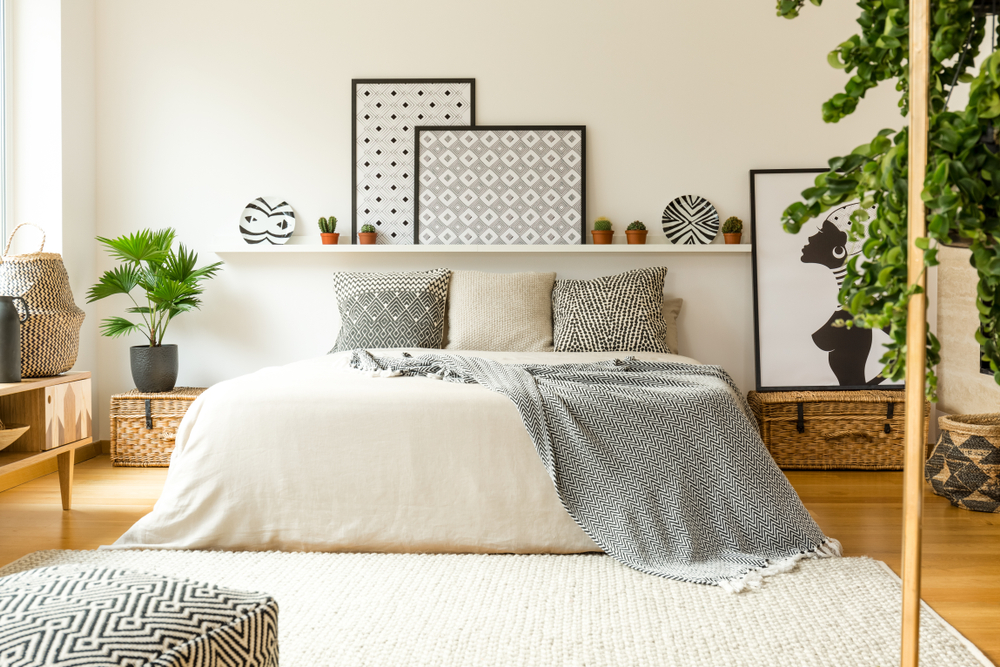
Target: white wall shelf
[(377, 249)]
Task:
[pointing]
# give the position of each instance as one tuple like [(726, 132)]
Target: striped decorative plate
[(690, 220)]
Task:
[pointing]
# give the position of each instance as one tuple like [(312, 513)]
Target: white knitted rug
[(483, 610)]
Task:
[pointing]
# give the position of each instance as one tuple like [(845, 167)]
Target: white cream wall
[(203, 105)]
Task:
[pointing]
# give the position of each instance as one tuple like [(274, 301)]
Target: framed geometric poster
[(501, 185), (385, 112), (796, 279)]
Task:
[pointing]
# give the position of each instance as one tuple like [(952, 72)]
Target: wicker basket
[(833, 430), (143, 426), (965, 465)]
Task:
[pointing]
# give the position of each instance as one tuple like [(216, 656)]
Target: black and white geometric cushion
[(73, 615), (391, 309), (621, 313)]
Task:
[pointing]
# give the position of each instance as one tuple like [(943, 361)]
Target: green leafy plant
[(637, 225), (367, 229), (328, 225), (962, 187), (167, 279), (602, 225), (732, 225)]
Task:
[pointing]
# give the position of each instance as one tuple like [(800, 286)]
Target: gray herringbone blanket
[(659, 463)]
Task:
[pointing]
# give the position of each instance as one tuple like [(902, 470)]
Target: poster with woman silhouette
[(796, 281)]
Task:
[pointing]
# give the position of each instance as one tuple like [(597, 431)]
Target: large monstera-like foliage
[(962, 188)]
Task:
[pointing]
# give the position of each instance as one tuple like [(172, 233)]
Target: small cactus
[(637, 226), (602, 225), (368, 229), (732, 225), (328, 225)]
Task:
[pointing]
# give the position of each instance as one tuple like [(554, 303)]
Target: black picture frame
[(582, 129), (756, 281), (471, 82)]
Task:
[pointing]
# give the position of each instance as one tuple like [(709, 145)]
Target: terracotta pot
[(602, 237), (733, 237), (331, 238), (637, 236), (367, 238)]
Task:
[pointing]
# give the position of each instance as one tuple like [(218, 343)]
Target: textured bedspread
[(313, 456), (658, 462)]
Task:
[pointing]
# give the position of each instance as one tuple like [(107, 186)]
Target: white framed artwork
[(796, 279)]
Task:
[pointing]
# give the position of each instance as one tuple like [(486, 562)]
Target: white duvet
[(316, 457)]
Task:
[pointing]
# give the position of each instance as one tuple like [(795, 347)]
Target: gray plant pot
[(154, 369)]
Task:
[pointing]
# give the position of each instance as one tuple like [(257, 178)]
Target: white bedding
[(315, 457)]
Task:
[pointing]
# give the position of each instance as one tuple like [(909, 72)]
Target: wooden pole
[(916, 333)]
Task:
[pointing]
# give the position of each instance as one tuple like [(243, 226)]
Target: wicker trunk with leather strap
[(833, 430), (144, 426)]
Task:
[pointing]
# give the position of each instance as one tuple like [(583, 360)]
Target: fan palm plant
[(169, 282)]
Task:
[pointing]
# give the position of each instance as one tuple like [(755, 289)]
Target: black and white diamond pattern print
[(660, 463), (391, 309), (501, 185), (385, 115), (690, 220), (73, 615)]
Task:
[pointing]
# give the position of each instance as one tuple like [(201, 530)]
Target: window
[(4, 115)]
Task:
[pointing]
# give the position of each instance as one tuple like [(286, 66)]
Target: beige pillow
[(504, 312), (671, 309)]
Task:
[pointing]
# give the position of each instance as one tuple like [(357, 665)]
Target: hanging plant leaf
[(962, 186)]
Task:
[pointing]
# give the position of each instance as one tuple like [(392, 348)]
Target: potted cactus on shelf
[(328, 230), (636, 232), (367, 235), (732, 230), (602, 232)]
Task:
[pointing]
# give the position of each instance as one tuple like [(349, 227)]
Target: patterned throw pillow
[(620, 313), (391, 309)]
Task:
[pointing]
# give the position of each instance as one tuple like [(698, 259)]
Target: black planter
[(154, 369), (10, 338)]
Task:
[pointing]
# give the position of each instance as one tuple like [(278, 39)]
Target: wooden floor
[(961, 575)]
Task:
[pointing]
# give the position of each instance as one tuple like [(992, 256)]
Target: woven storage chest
[(833, 430), (144, 426)]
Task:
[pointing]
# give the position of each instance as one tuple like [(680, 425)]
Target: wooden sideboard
[(58, 410)]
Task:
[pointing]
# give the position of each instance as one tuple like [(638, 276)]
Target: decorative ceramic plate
[(267, 219), (690, 220)]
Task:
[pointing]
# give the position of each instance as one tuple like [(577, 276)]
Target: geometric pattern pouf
[(82, 616), (965, 464)]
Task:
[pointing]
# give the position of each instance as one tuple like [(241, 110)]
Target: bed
[(285, 459), (583, 433)]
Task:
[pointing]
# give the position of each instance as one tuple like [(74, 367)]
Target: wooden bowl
[(11, 433)]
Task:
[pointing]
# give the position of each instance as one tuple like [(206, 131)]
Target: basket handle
[(843, 434), (10, 238)]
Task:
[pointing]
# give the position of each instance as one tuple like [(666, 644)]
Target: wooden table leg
[(65, 462)]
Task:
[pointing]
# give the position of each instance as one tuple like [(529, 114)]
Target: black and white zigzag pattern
[(74, 615), (403, 309), (50, 337), (690, 220), (621, 313), (660, 463)]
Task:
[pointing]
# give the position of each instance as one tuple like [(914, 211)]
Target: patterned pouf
[(89, 616), (965, 464)]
